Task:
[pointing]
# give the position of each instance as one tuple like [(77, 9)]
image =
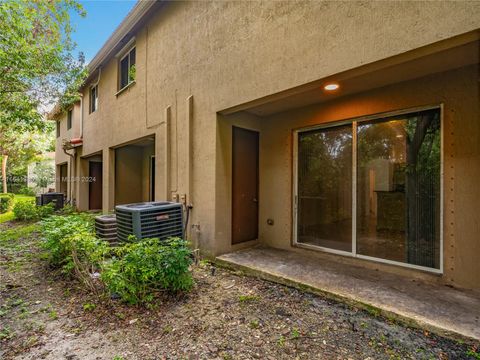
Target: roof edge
[(135, 15)]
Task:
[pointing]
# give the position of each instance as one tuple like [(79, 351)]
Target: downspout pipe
[(81, 116), (72, 172)]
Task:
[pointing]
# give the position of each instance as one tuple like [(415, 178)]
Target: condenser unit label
[(163, 217)]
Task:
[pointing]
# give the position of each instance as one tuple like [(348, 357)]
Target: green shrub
[(27, 210), (45, 210), (67, 210), (142, 268), (71, 245), (6, 202)]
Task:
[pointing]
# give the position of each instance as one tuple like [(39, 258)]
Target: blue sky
[(102, 19)]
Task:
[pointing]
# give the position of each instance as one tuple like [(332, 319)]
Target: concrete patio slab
[(438, 308)]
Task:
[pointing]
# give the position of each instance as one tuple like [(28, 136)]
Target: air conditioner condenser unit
[(106, 228), (160, 220)]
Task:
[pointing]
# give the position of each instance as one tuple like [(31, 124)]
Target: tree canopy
[(37, 68), (36, 64)]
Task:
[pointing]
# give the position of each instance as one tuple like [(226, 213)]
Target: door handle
[(255, 200)]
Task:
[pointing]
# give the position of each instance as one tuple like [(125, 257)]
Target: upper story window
[(58, 129), (69, 119), (93, 98), (127, 69)]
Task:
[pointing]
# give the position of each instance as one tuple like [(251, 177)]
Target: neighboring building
[(47, 160), (224, 104)]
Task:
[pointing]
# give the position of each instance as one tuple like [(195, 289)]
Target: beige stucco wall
[(227, 53)]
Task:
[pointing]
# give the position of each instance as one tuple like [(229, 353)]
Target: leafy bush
[(67, 210), (6, 202), (45, 210), (27, 210), (142, 268), (71, 245)]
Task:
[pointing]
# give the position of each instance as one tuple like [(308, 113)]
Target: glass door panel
[(324, 216), (398, 189)]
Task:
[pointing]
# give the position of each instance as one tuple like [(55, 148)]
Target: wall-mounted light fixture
[(331, 87)]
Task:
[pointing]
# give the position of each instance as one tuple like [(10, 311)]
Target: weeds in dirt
[(167, 329), (295, 333), (89, 307), (13, 235), (372, 310), (53, 315), (248, 298), (6, 333), (31, 341), (254, 324), (473, 352)]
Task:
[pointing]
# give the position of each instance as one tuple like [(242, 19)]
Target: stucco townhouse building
[(347, 130)]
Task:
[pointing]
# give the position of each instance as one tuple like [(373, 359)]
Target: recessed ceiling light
[(331, 87)]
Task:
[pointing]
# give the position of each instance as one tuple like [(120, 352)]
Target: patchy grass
[(14, 234), (89, 307), (248, 298), (473, 353), (8, 216), (254, 324)]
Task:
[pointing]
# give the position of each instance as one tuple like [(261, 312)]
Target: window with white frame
[(371, 188), (127, 69)]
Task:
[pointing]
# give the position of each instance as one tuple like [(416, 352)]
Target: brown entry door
[(244, 185), (95, 185)]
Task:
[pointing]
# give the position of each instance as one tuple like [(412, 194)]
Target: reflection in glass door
[(398, 189), (325, 187), (393, 165)]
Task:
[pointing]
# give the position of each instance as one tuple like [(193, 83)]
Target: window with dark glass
[(93, 98), (58, 129), (127, 69), (69, 119)]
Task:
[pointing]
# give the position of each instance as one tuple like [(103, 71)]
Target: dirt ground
[(226, 316)]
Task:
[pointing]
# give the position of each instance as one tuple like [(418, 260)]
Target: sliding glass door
[(392, 165), (325, 187)]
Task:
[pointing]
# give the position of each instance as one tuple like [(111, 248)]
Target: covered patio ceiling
[(435, 58)]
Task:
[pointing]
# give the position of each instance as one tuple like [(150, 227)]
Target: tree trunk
[(416, 252), (4, 172)]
